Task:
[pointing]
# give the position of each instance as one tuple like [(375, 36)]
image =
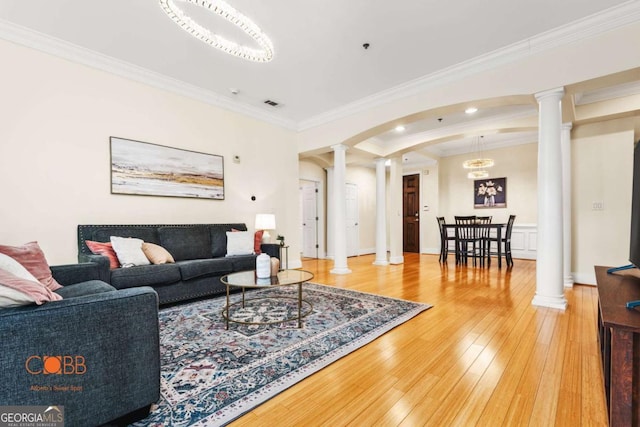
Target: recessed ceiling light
[(399, 128), (471, 110)]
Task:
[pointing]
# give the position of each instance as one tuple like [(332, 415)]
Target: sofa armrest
[(271, 249), (103, 263), (70, 274), (106, 347)]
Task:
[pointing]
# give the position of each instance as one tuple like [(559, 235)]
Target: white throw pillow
[(13, 298), (129, 251), (239, 243), (14, 267)]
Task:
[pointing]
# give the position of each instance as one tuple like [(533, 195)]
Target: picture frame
[(490, 193), (146, 169)]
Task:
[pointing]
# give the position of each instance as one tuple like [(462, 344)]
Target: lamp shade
[(265, 222)]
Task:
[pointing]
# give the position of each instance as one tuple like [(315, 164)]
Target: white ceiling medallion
[(262, 54)]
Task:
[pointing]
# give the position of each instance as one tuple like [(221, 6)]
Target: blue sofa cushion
[(205, 267), (219, 240), (148, 234), (145, 275), (81, 289), (186, 242), (243, 262)]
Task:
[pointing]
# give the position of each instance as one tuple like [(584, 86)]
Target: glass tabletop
[(248, 279)]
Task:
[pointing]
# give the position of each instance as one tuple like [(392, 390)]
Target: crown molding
[(610, 19), (605, 94), (590, 26), (54, 46)]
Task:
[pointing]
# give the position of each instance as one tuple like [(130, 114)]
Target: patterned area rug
[(211, 376)]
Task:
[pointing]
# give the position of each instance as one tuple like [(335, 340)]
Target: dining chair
[(466, 238), (445, 238), (505, 241), (482, 234)]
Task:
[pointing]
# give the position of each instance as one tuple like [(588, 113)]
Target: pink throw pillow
[(105, 249), (28, 291), (32, 258)]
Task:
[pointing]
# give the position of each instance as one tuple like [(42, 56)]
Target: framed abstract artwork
[(144, 169), (490, 193)]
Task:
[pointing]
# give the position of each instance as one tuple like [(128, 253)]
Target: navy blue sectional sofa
[(198, 249)]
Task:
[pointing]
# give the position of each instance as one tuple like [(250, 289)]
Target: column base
[(568, 281), (340, 271), (381, 262), (396, 260), (558, 302)]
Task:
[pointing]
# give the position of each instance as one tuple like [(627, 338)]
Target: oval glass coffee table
[(248, 280)]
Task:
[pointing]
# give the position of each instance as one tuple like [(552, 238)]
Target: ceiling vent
[(271, 103)]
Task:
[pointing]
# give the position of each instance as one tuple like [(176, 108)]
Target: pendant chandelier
[(478, 163), (262, 53), (478, 174)]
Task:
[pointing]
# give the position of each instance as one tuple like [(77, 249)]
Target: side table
[(286, 258)]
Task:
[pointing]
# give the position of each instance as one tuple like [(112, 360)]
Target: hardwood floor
[(483, 355)]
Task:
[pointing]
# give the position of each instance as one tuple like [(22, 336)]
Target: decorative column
[(395, 216), (381, 213), (566, 202), (330, 212), (549, 264), (339, 211)]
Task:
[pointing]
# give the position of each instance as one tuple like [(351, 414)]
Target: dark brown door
[(411, 213)]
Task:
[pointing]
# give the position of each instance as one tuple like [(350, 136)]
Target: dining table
[(498, 226)]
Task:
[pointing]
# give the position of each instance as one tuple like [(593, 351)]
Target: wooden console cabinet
[(619, 335)]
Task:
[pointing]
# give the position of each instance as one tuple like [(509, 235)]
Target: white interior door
[(309, 202), (353, 235)]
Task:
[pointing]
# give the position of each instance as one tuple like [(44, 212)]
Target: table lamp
[(265, 222)]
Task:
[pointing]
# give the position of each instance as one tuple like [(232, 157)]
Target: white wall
[(518, 164), (602, 170), (57, 117)]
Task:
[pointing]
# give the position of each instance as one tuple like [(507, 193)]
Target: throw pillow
[(239, 243), (156, 254), (32, 258), (105, 249), (257, 241), (16, 291), (129, 251), (14, 267)]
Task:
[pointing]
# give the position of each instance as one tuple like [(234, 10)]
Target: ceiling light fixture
[(478, 163), (478, 174), (471, 110), (399, 128), (262, 54)]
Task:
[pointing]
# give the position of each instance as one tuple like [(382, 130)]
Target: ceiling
[(319, 65)]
